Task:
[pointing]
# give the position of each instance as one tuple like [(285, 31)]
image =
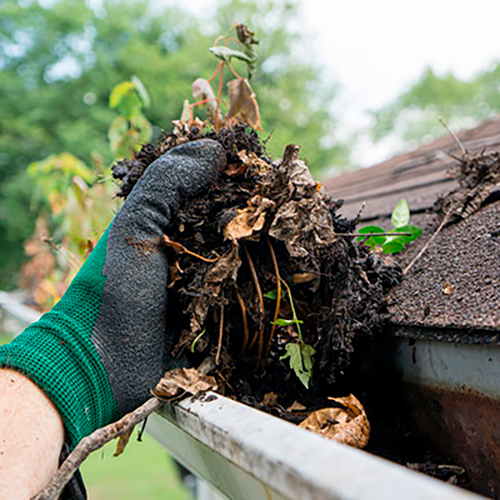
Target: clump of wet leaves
[(261, 277)]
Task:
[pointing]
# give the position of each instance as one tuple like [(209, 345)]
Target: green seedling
[(400, 219)]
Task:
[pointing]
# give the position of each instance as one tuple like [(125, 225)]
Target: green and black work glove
[(107, 342)]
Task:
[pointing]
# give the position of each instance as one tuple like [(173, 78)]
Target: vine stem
[(294, 314), (260, 333), (373, 234), (278, 302), (219, 94), (245, 320), (221, 333)]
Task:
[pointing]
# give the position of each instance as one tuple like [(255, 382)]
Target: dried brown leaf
[(304, 223), (270, 399), (219, 275), (347, 425), (242, 103), (122, 442), (183, 380), (296, 406), (250, 220)]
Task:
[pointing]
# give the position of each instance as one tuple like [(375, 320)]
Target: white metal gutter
[(249, 455), (246, 454)]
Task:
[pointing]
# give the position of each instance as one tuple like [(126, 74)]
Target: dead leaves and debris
[(477, 175), (249, 221), (182, 381), (262, 226), (346, 423)]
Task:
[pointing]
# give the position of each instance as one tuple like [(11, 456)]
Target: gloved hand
[(106, 343)]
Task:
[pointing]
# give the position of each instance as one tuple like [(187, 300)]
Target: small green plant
[(300, 354), (390, 243)]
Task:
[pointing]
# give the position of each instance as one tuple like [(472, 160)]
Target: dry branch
[(93, 442)]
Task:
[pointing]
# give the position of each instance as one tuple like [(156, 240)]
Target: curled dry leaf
[(303, 223), (347, 424), (250, 220), (242, 103), (202, 91), (183, 380)]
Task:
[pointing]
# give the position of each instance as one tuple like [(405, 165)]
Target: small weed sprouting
[(400, 219), (300, 354)]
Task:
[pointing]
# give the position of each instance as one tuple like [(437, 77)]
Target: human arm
[(106, 343)]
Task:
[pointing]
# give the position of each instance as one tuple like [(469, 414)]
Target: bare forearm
[(31, 436)]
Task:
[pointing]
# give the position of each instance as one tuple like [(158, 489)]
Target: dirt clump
[(263, 276)]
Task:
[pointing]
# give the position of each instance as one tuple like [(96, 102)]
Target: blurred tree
[(413, 116), (60, 59)]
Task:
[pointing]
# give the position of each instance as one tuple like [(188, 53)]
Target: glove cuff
[(57, 353)]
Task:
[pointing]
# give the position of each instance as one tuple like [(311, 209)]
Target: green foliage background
[(59, 61), (413, 116)]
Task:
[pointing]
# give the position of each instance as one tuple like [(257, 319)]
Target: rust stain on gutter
[(464, 425)]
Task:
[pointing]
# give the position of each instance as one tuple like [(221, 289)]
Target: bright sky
[(375, 49)]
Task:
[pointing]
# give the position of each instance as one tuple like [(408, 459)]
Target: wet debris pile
[(261, 276), (477, 176)]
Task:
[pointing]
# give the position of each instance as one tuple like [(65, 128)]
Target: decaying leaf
[(270, 399), (183, 380), (245, 36), (242, 103), (202, 91), (223, 272), (304, 223), (296, 406), (250, 220), (122, 442), (252, 160), (347, 424)]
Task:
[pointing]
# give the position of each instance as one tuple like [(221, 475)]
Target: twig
[(426, 246), (259, 334), (453, 135), (93, 442), (294, 314), (278, 301), (373, 234), (221, 332), (245, 320)]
